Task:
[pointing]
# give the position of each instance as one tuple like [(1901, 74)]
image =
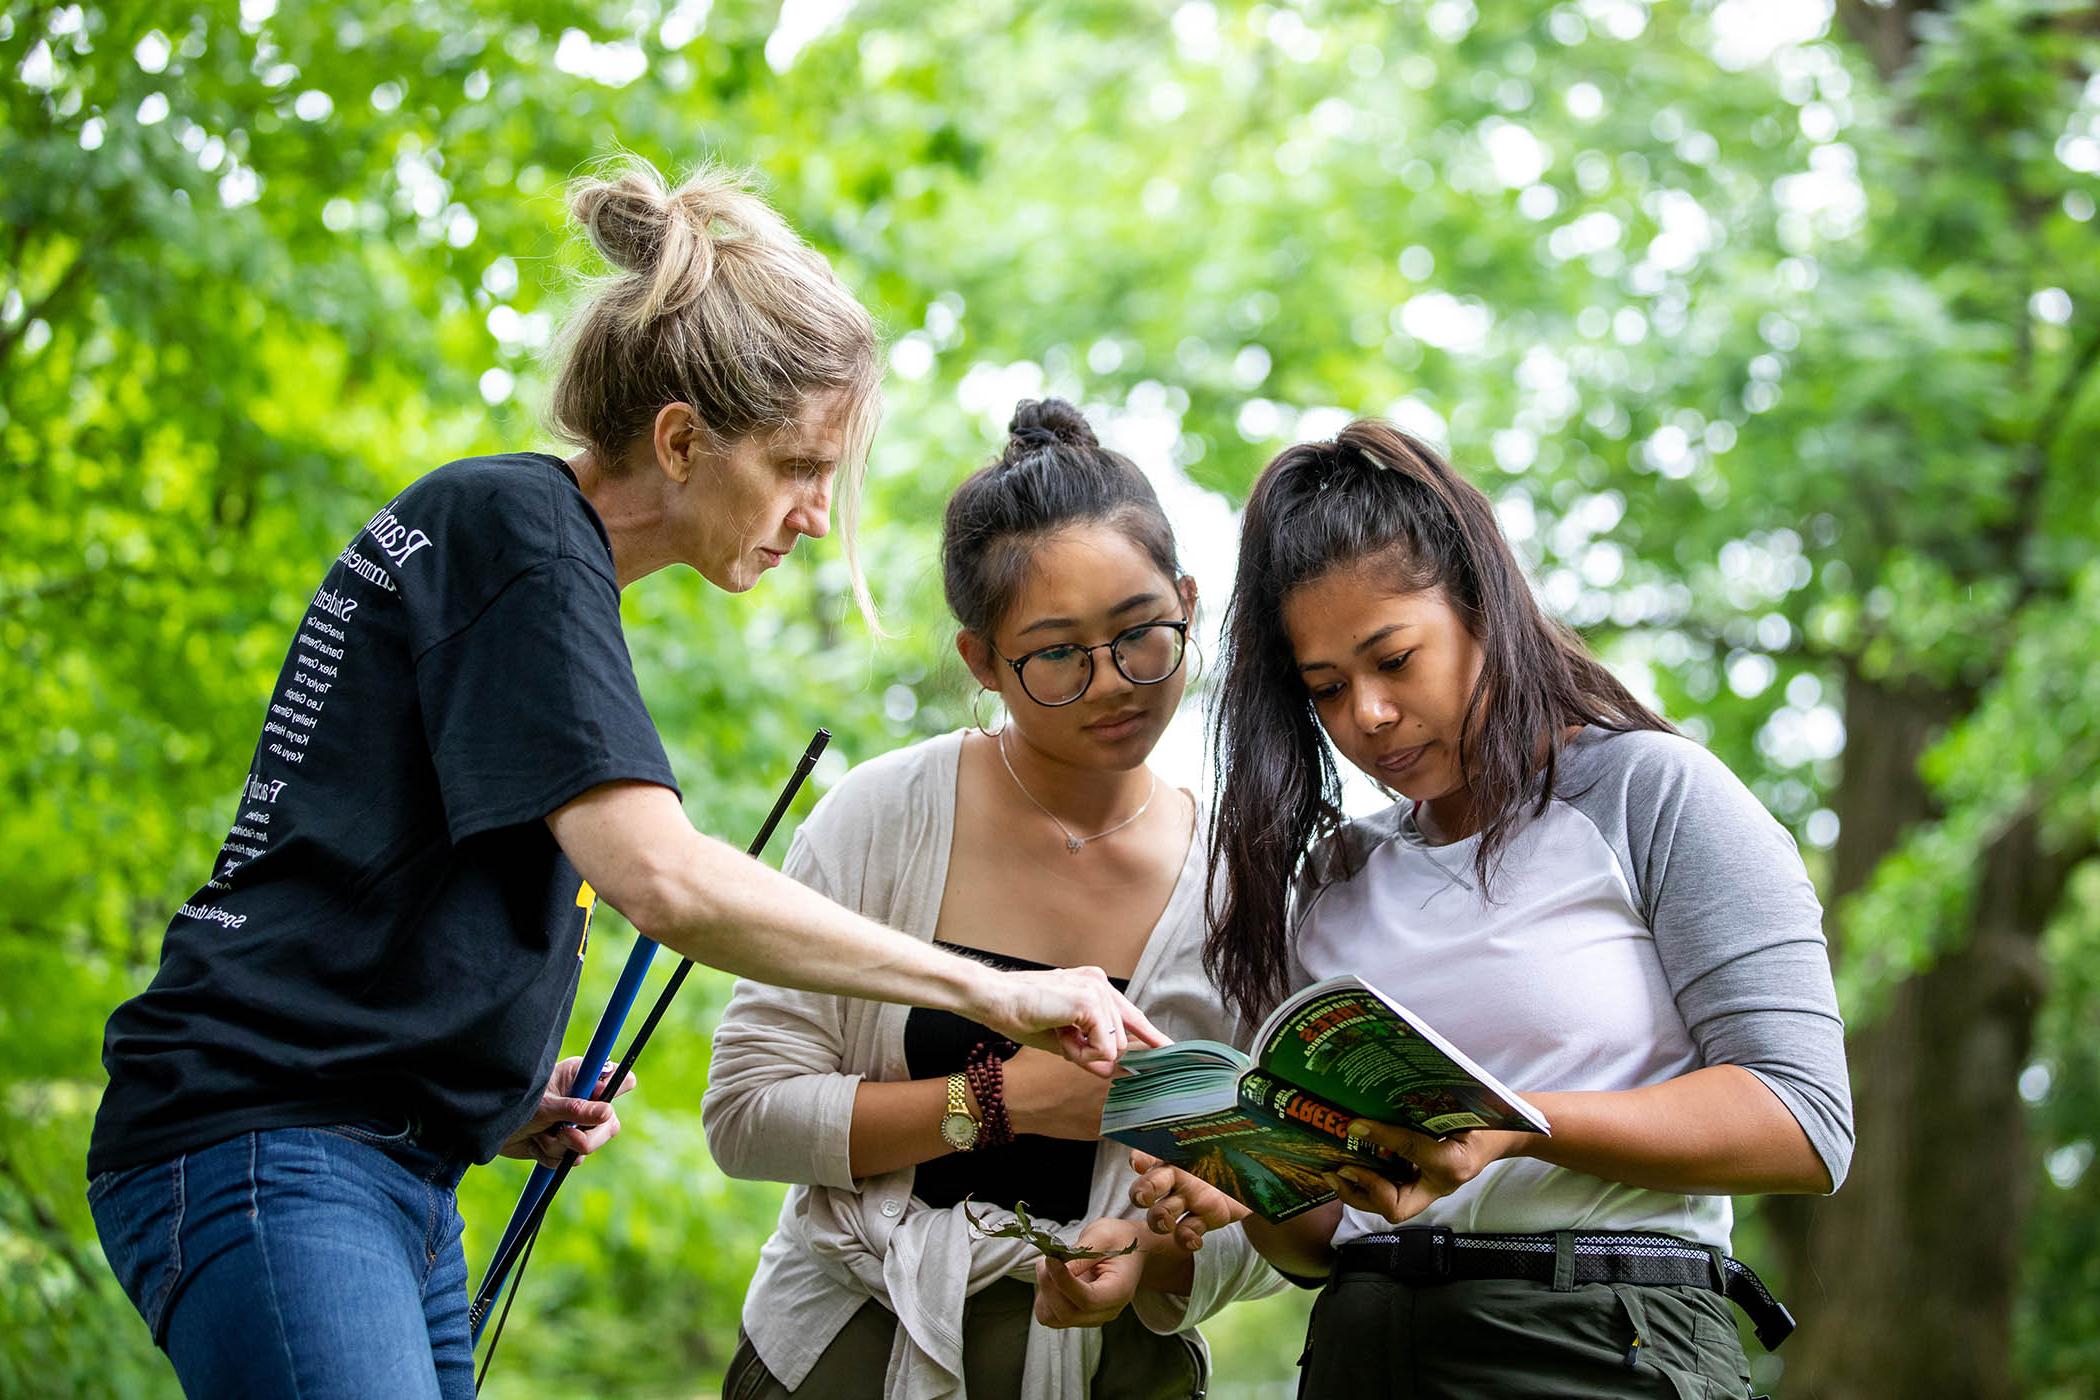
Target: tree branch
[(1885, 31), (2050, 426), (2028, 494)]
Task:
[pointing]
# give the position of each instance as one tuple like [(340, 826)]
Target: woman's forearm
[(898, 1125), (754, 922), (1302, 1246), (1168, 1267), (1714, 1132), (715, 905)]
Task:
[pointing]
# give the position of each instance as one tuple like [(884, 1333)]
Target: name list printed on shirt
[(250, 833), (320, 651)]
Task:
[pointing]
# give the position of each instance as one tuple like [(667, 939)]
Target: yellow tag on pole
[(587, 901)]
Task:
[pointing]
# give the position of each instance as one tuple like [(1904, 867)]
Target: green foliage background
[(1777, 369)]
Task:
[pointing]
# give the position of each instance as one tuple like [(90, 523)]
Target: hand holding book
[(1442, 1165)]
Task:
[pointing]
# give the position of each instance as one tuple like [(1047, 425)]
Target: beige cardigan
[(779, 1106)]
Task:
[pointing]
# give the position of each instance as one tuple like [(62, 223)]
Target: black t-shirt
[(1053, 1175), (390, 932)]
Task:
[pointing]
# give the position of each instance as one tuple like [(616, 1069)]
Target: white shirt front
[(1554, 983)]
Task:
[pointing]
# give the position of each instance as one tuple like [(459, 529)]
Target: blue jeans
[(315, 1262)]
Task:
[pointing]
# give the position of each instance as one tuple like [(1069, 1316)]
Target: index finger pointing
[(1073, 1042), (1139, 1027)]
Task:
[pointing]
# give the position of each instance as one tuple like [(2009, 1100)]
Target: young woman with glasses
[(1045, 843), (368, 993), (1583, 900)]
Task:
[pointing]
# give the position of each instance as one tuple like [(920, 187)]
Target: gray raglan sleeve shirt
[(1736, 921)]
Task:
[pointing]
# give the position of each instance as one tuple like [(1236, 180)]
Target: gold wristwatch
[(958, 1124)]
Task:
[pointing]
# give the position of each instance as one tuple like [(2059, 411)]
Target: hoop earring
[(1196, 672), (979, 722)]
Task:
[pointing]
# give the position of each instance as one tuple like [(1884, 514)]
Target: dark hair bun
[(1053, 473), (1042, 423)]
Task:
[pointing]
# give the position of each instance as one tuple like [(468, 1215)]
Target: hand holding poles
[(587, 1078), (545, 1182)]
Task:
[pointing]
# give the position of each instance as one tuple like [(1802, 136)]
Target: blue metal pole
[(596, 1055), (532, 1203)]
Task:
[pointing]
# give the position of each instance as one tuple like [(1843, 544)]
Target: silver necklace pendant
[(1073, 844)]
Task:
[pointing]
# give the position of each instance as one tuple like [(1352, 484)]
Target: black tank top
[(1053, 1175)]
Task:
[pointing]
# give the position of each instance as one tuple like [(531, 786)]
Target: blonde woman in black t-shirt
[(367, 993)]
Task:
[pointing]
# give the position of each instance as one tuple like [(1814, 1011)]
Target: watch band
[(959, 1126)]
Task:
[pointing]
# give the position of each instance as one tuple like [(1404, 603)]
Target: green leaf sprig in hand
[(1047, 1244)]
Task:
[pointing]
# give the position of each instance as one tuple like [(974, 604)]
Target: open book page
[(1186, 1078)]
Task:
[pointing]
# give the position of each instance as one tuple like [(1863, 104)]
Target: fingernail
[(1350, 1175), (1359, 1128)]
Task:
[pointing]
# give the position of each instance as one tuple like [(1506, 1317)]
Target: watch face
[(959, 1131)]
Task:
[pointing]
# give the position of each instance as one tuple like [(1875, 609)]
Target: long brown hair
[(1374, 496)]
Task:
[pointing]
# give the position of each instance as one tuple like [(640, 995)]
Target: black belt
[(1437, 1255)]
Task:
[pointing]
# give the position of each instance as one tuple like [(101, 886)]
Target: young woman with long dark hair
[(1046, 842), (1582, 899)]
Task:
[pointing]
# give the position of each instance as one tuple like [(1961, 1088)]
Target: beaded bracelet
[(981, 1090), (987, 1086), (986, 1073)]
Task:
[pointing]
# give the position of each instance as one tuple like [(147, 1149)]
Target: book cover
[(1264, 1128), (1272, 1171), (1348, 1043)]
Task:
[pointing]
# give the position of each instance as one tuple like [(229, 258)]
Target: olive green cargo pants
[(1372, 1337)]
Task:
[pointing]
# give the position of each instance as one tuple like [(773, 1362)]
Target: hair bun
[(1042, 423), (671, 238), (625, 215)]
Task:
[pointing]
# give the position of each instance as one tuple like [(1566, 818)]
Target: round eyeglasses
[(1058, 675)]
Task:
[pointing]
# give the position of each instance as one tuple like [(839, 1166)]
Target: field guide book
[(1263, 1128)]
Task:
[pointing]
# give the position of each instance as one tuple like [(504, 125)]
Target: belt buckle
[(1423, 1252)]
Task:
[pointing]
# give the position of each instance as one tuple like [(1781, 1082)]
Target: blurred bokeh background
[(1771, 327)]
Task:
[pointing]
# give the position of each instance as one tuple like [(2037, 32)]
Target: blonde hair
[(714, 302)]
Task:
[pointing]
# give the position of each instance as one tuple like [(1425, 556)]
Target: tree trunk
[(1904, 1281)]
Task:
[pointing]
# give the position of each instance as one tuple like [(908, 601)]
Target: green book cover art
[(1275, 1174), (1269, 1152), (1352, 1047)]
